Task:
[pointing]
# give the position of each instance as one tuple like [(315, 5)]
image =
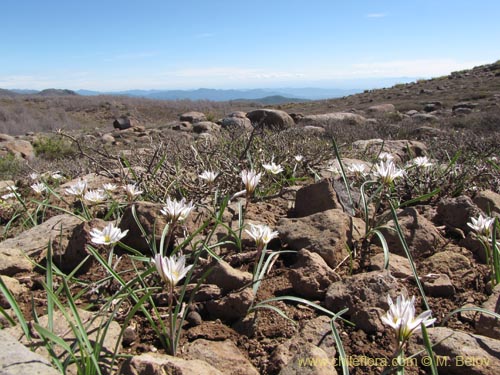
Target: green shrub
[(9, 166), (53, 148)]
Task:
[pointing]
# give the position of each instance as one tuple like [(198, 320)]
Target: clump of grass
[(52, 148), (10, 165)]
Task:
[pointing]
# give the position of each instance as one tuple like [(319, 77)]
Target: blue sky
[(163, 44)]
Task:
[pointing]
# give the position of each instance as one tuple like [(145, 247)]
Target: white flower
[(357, 169), (95, 196), (171, 269), (273, 168), (209, 176), (109, 187), (421, 162), (261, 234), (11, 188), (387, 172), (401, 317), (177, 210), (77, 189), (39, 188), (482, 225), (385, 156), (333, 168), (8, 196), (108, 236), (298, 158), (132, 191), (34, 176), (250, 179), (57, 176)]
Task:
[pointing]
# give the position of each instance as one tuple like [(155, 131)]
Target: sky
[(110, 45)]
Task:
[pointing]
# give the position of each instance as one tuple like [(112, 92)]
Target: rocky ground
[(333, 262)]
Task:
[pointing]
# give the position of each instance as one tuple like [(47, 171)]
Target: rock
[(316, 130), (432, 106), (452, 264), (124, 122), (206, 292), (129, 336), (311, 276), (232, 306), (456, 212), (381, 108), (227, 277), (151, 220), (161, 364), (401, 149), (205, 126), (19, 148), (420, 234), (314, 198), (193, 117), (194, 318), (365, 295), (237, 120), (488, 325), (324, 233), (464, 105), (16, 359), (438, 285), (399, 266), (488, 201), (424, 117), (95, 329), (462, 353), (271, 118), (15, 287), (34, 243), (335, 118), (223, 355), (107, 138), (426, 131), (316, 333), (184, 126), (311, 360), (68, 257), (462, 111)]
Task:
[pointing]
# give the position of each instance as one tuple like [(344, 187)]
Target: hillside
[(19, 114), (298, 235)]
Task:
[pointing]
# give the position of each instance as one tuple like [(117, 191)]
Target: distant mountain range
[(265, 96), (220, 95)]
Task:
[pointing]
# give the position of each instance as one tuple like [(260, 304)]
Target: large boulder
[(381, 108), (271, 119), (334, 118), (461, 353), (316, 197), (16, 359), (193, 117), (420, 234), (236, 120), (161, 364), (19, 148), (223, 355), (150, 219), (33, 243), (365, 295), (325, 233), (401, 149)]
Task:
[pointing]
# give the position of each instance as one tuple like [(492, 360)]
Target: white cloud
[(238, 77), (205, 35), (376, 15)]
